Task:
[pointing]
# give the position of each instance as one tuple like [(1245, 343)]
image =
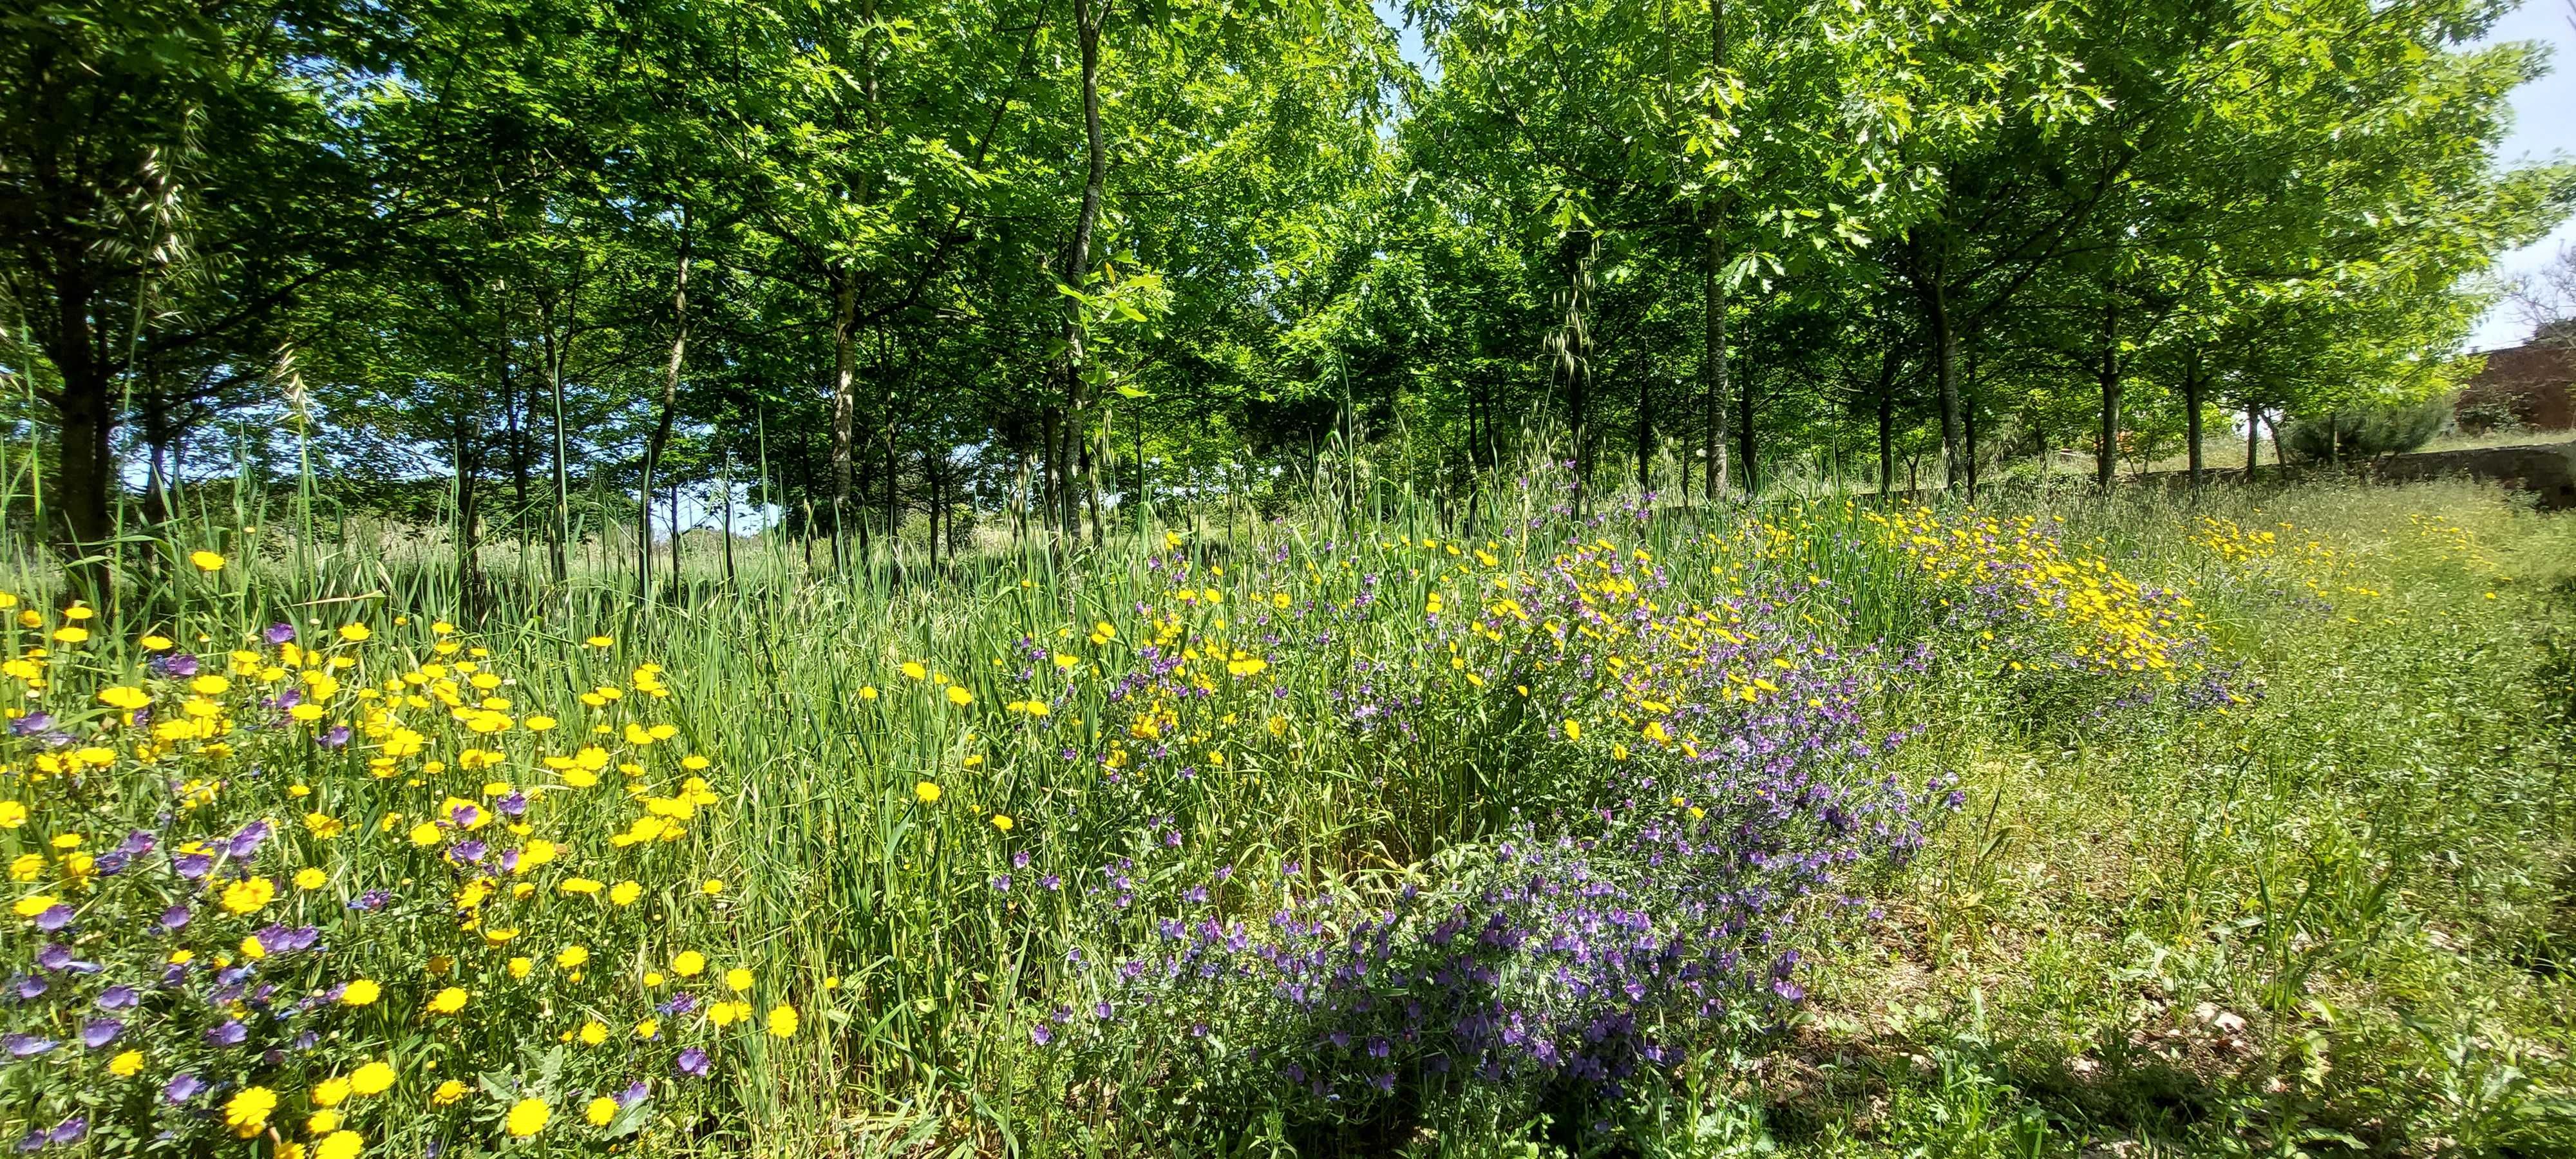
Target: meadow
[(2061, 824)]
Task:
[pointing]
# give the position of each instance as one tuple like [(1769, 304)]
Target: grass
[(2339, 917)]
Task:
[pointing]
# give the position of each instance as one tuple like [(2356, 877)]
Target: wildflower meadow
[(1830, 825)]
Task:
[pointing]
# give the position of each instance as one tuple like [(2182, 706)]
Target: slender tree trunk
[(2253, 438), (1747, 464), (2191, 412), (845, 321), (1088, 21), (661, 436), (1945, 373), (561, 532), (1713, 296), (725, 470), (2107, 449), (1645, 432), (1888, 364)]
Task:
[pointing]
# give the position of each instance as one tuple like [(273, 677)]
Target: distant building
[(2527, 386)]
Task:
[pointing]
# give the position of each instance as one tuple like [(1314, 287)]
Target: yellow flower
[(712, 886), (69, 634), (340, 1145), (247, 1112), (600, 1111), (1573, 730), (125, 1065), (311, 878), (521, 966), (914, 670), (738, 979), (624, 893), (12, 814), (527, 1117), (958, 696), (375, 1078), (330, 1092), (361, 992), (249, 895), (648, 1028), (572, 957), (206, 561), (782, 1020), (599, 641), (1002, 821), (425, 833), (123, 697), (689, 964), (449, 1093), (926, 792), (448, 1001), (593, 1033), (354, 633)]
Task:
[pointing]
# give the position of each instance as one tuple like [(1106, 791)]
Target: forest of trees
[(912, 263)]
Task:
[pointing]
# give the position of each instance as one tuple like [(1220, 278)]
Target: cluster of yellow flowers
[(366, 846), (2113, 623)]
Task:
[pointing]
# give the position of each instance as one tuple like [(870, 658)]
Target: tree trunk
[(1945, 372), (2107, 447), (561, 532), (661, 436), (2191, 412), (1887, 367), (725, 469), (1713, 369), (1746, 463), (1645, 432), (2253, 438), (1088, 21), (845, 320)]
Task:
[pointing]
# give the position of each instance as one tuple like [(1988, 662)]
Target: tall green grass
[(2370, 866)]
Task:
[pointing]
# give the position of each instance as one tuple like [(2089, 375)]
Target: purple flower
[(32, 723), (245, 844), (514, 804), (26, 1045), (192, 865), (182, 1087), (54, 918), (337, 736), (694, 1063), (175, 917), (1040, 1035), (279, 633), (634, 1093), (229, 1032), (467, 852), (29, 987), (99, 1032), (71, 1130)]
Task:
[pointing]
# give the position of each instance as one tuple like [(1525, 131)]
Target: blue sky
[(2544, 129)]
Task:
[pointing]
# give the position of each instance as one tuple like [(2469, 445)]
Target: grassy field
[(2075, 826)]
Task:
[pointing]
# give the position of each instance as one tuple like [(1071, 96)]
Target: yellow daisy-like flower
[(689, 964), (122, 697), (449, 1093), (340, 1145), (247, 1111), (248, 895), (914, 670), (311, 878), (354, 633), (527, 1117), (600, 641), (600, 1111), (361, 992), (206, 561), (958, 696), (926, 792), (782, 1020), (375, 1078), (126, 1065), (593, 1033), (624, 893), (330, 1092), (1002, 821), (712, 886), (448, 1001), (737, 979)]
